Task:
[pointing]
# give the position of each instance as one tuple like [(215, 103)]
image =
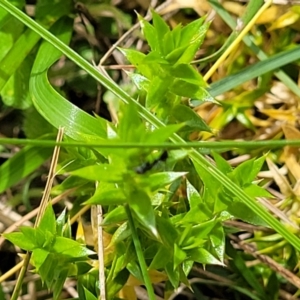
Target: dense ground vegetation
[(149, 149)]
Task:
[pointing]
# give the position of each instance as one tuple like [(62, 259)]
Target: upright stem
[(140, 254), (19, 283)]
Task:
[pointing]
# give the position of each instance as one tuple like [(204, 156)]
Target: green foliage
[(166, 73), (51, 244), (162, 211)]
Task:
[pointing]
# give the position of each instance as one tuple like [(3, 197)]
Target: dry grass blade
[(237, 41), (97, 219)]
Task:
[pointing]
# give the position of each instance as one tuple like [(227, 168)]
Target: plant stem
[(18, 286), (140, 254), (227, 144)]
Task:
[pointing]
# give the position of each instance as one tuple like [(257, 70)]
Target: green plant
[(163, 212), (52, 245)]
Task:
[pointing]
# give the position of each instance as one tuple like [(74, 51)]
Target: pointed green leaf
[(116, 283), (158, 88), (131, 127), (89, 295), (175, 55), (20, 240), (199, 213), (254, 190), (192, 120), (185, 89), (159, 260), (103, 172), (167, 232), (202, 231), (48, 221), (192, 36), (202, 256), (168, 44), (141, 206), (150, 34), (135, 270), (160, 180), (162, 134), (161, 28), (60, 222), (188, 73), (173, 275), (122, 233), (241, 211), (38, 257), (246, 171), (46, 270), (70, 248), (179, 256), (217, 239), (222, 164), (35, 235), (116, 215), (59, 283), (107, 194), (193, 196), (193, 32), (135, 57)]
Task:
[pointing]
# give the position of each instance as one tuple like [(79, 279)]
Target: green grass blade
[(249, 41), (13, 59), (258, 69), (268, 144), (50, 104)]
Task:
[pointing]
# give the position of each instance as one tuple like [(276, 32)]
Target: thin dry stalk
[(101, 252), (285, 273), (42, 208), (130, 31)]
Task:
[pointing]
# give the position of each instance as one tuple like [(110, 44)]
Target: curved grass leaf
[(50, 104)]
